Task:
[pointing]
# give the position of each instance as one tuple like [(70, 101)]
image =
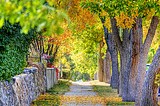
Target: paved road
[(82, 94)]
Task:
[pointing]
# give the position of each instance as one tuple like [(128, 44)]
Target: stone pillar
[(51, 77)]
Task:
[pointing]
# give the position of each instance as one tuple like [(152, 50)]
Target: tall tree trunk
[(143, 58), (124, 48), (150, 88), (104, 68), (130, 80), (101, 73), (114, 58), (110, 40), (124, 57), (107, 67)]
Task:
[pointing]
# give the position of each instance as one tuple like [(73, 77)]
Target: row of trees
[(118, 23), (123, 26), (126, 37)]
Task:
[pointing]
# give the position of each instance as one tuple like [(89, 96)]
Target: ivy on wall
[(14, 46)]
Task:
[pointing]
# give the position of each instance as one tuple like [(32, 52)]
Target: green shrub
[(13, 50)]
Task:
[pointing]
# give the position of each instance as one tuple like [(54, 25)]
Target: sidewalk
[(82, 94)]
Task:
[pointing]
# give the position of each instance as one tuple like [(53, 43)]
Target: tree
[(125, 12), (143, 58), (123, 48), (150, 88), (130, 78), (112, 47), (114, 57), (107, 67), (101, 71)]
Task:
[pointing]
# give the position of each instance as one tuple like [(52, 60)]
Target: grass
[(60, 88), (105, 91), (47, 100), (110, 95), (120, 103), (52, 97)]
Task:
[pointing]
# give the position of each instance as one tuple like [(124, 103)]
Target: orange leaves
[(80, 16), (61, 39)]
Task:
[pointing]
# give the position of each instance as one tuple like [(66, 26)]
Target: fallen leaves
[(83, 99)]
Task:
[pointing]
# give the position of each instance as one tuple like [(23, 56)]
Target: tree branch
[(116, 33), (151, 33)]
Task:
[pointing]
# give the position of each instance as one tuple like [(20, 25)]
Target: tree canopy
[(31, 14)]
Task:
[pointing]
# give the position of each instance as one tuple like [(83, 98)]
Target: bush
[(13, 50)]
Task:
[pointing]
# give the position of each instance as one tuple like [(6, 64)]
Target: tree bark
[(150, 88), (123, 48), (130, 80), (101, 73), (143, 59), (107, 67), (114, 56), (124, 57)]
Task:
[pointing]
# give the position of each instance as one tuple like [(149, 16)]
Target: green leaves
[(34, 12), (13, 49), (59, 30), (115, 7)]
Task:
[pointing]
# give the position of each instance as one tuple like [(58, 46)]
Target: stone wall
[(24, 88)]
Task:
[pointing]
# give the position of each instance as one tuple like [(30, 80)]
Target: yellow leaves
[(9, 6), (1, 21), (107, 23), (113, 98), (124, 21), (83, 99), (150, 14), (51, 2)]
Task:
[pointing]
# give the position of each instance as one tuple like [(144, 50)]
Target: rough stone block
[(24, 88)]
